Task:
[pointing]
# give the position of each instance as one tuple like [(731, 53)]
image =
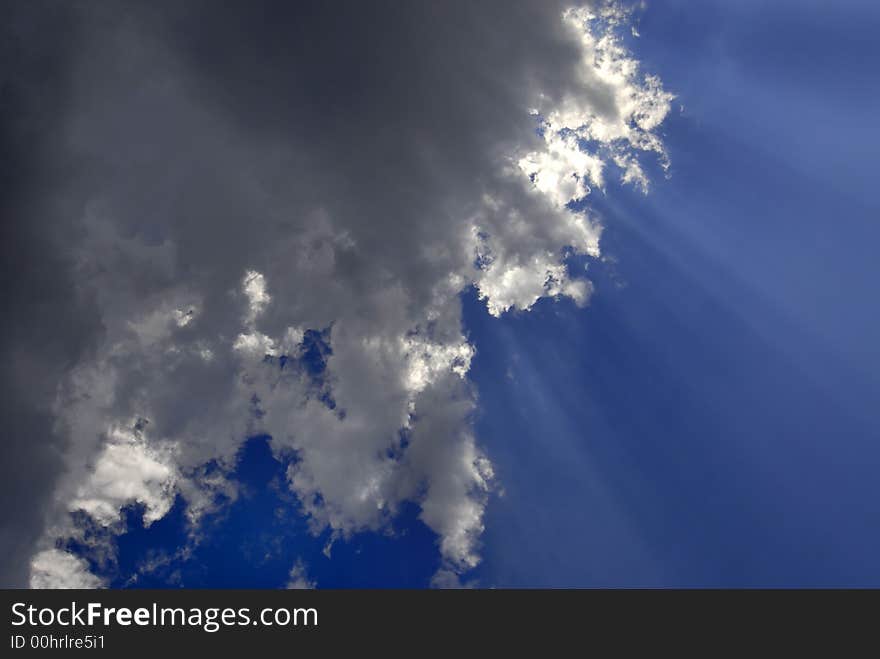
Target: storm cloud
[(200, 196)]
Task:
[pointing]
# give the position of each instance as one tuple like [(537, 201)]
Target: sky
[(449, 295)]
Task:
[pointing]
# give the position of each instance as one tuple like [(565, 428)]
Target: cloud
[(272, 234), (446, 579), (54, 568), (298, 579), (129, 470)]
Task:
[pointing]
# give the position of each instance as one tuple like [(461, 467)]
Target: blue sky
[(710, 419)]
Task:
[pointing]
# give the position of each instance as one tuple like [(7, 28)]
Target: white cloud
[(448, 579), (254, 288), (619, 133), (254, 344), (298, 579), (564, 171), (128, 470), (54, 568)]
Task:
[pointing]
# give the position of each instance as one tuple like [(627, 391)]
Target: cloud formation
[(54, 568), (274, 213), (298, 579)]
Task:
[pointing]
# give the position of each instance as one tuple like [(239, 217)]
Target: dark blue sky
[(711, 419)]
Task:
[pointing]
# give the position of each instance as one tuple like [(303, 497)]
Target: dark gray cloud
[(48, 322), (357, 156)]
